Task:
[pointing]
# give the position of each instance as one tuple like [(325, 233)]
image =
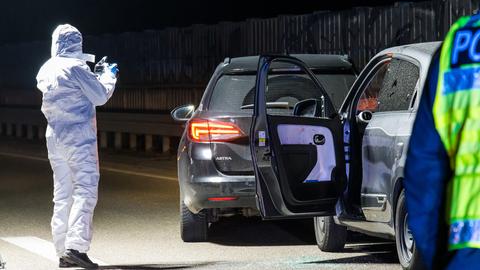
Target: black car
[(215, 171)]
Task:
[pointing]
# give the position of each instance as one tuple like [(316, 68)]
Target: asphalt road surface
[(137, 223)]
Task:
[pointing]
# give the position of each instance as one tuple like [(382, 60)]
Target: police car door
[(298, 160)]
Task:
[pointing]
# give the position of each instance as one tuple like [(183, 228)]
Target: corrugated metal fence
[(162, 69)]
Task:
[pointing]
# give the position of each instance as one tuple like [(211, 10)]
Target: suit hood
[(66, 41)]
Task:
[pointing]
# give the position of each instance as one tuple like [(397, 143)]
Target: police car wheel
[(193, 227), (406, 250), (330, 236)]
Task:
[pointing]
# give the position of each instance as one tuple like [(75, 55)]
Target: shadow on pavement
[(153, 266), (377, 251), (362, 259), (240, 231)]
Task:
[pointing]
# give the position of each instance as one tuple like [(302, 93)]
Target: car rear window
[(232, 92)]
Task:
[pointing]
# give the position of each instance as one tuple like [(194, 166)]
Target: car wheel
[(406, 250), (193, 227), (330, 236)]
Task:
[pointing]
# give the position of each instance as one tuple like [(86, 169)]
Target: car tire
[(193, 227), (330, 236), (406, 250)]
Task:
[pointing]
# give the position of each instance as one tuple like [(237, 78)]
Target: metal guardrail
[(138, 98), (139, 123), (119, 130)]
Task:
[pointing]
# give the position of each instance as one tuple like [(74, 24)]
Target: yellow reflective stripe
[(462, 169), (453, 198), (457, 105), (469, 148), (464, 245), (465, 199), (468, 136), (465, 219)]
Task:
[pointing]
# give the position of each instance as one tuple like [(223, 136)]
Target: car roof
[(423, 52), (314, 61)]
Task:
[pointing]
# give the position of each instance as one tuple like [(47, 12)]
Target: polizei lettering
[(465, 48)]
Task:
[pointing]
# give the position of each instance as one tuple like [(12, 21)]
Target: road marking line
[(23, 156), (110, 169), (39, 246)]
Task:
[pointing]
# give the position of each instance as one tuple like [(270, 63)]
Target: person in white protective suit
[(70, 93)]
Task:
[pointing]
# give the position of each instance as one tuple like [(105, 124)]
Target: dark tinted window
[(398, 86), (232, 92)]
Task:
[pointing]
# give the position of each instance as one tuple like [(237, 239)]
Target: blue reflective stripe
[(311, 181), (465, 231), (461, 79)]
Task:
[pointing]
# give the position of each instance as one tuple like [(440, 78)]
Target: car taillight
[(200, 130), (222, 199)]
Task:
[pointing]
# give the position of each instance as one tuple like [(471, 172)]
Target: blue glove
[(114, 69)]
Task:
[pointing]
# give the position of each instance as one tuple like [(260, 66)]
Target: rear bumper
[(200, 180), (198, 194)]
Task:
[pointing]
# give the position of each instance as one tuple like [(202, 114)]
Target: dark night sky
[(27, 20)]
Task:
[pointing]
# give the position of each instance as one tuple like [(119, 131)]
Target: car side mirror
[(183, 113), (310, 108)]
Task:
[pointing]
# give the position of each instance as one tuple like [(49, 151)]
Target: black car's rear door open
[(298, 157)]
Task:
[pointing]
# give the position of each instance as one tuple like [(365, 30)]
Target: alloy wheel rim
[(407, 240), (322, 225)]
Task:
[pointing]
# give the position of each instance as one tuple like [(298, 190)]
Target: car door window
[(289, 89), (398, 86), (369, 97), (391, 88), (286, 86)]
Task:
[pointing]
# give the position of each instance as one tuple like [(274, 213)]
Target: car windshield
[(235, 93)]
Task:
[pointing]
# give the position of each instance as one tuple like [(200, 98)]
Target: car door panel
[(383, 144), (378, 157), (301, 176), (303, 135), (298, 161)]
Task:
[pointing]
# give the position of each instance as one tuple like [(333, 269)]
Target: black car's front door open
[(298, 161)]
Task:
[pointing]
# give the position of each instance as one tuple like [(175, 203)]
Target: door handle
[(399, 150), (319, 139)]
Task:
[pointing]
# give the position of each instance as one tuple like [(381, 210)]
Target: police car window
[(398, 86), (369, 97)]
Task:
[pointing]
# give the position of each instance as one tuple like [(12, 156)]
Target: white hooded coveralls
[(70, 93)]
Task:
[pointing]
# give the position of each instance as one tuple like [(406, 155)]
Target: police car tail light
[(200, 130)]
